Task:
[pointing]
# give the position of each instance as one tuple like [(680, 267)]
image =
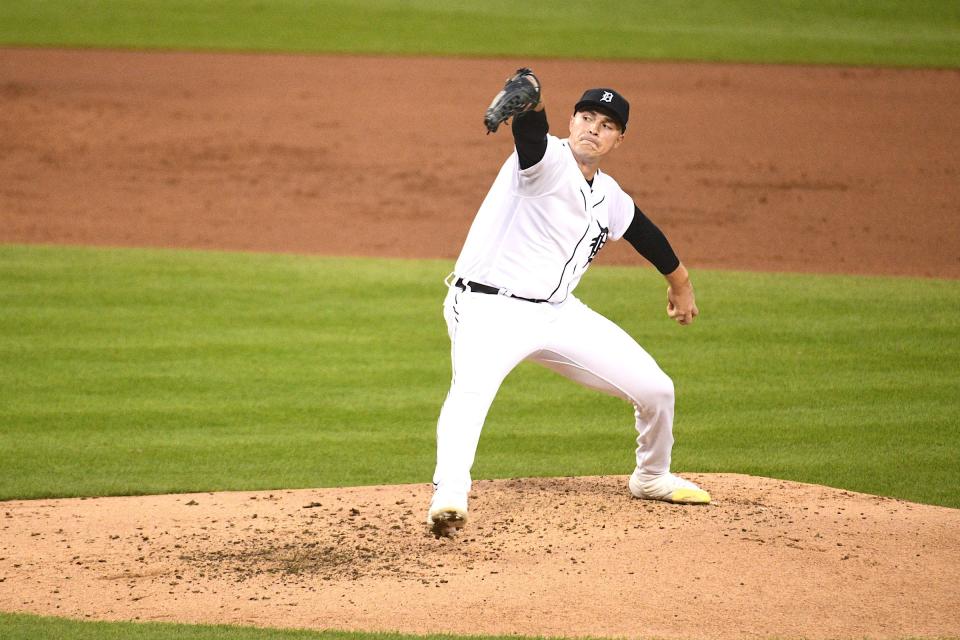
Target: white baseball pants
[(492, 334)]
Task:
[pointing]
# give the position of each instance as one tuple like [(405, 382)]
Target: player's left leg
[(593, 351)]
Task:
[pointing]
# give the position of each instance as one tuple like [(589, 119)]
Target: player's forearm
[(530, 136)]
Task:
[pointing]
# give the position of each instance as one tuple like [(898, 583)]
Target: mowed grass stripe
[(138, 371), (882, 32), (144, 371)]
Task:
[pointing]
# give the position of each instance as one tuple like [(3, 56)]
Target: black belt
[(485, 288)]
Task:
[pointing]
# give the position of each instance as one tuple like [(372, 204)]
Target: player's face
[(594, 134)]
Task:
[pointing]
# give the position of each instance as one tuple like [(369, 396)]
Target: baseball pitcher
[(511, 296)]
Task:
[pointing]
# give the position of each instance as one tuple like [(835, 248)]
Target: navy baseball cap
[(606, 100)]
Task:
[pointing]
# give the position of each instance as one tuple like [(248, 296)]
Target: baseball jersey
[(538, 229)]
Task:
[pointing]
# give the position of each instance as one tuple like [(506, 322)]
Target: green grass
[(28, 627), (139, 371), (133, 372), (834, 380), (878, 32)]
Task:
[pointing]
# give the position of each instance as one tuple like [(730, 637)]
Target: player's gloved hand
[(520, 93)]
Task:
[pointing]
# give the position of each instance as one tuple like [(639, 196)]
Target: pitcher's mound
[(548, 556)]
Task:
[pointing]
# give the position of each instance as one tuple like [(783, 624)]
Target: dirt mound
[(567, 556)]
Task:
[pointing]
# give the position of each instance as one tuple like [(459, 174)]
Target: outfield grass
[(144, 371), (27, 627), (878, 32)]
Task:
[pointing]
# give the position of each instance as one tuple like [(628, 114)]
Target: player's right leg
[(489, 336)]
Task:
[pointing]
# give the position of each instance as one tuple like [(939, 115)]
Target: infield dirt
[(779, 168), (745, 167), (555, 556)]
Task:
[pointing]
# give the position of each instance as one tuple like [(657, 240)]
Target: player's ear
[(570, 124)]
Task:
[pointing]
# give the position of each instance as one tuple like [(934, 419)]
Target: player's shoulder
[(607, 182), (608, 185), (555, 142)]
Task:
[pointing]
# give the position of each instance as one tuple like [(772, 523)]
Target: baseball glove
[(520, 93)]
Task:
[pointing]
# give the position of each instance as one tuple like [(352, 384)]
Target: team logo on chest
[(597, 242)]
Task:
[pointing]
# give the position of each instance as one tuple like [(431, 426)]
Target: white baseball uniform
[(533, 238)]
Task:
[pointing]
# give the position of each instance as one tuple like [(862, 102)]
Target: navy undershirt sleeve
[(530, 135), (650, 242)]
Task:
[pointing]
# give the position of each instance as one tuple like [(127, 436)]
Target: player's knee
[(664, 391), (469, 401), (655, 392)]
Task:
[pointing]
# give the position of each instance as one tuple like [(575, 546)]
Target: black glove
[(520, 93)]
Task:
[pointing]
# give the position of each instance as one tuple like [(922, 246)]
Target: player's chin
[(589, 154)]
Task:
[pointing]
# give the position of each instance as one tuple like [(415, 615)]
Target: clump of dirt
[(326, 544)]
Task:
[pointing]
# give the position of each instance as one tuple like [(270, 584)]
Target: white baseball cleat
[(668, 488), (447, 514)]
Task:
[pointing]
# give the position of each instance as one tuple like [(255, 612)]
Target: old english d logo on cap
[(607, 100)]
